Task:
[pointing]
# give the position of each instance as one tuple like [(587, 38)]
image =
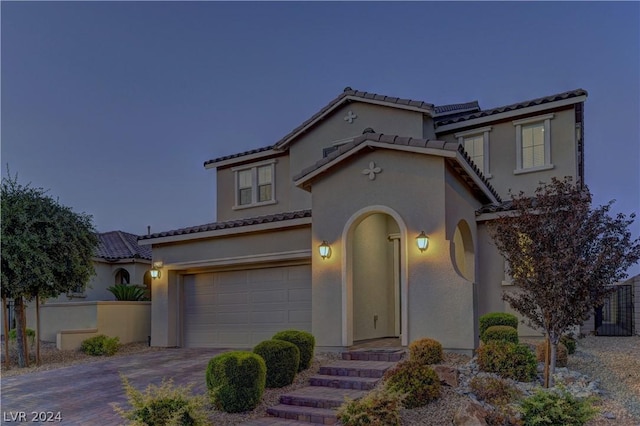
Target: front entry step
[(350, 378)]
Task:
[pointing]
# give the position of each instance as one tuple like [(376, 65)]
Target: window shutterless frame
[(254, 184), (534, 125)]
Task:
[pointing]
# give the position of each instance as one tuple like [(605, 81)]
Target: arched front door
[(373, 280)]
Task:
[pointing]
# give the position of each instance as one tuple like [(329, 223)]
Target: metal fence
[(615, 316)]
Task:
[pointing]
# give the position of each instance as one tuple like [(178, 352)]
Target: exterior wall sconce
[(325, 250), (422, 241), (155, 270)]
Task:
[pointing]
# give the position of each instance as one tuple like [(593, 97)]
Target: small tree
[(46, 250), (563, 256)]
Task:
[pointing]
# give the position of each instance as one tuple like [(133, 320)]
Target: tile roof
[(524, 104), (240, 154), (398, 140), (280, 217), (456, 108), (494, 208), (117, 245)]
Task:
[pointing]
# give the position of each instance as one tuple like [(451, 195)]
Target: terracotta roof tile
[(240, 154), (455, 108), (519, 105), (280, 217), (116, 245), (494, 208)]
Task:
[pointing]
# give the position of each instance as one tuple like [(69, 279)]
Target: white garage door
[(242, 308)]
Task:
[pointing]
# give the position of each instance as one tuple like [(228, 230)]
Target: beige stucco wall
[(502, 153), (440, 302), (223, 253), (130, 321), (105, 277)]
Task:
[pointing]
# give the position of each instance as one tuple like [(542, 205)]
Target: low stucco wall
[(69, 324)]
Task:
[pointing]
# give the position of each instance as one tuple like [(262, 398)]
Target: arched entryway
[(462, 251), (374, 276)]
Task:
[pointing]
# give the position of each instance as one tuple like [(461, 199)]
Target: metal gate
[(615, 316)]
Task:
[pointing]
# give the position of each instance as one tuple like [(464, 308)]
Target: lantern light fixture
[(155, 270), (422, 241), (325, 250)]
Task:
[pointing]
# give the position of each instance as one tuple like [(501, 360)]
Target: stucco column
[(164, 309)]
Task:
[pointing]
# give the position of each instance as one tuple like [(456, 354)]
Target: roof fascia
[(338, 104), (510, 114), (474, 176), (227, 231), (242, 159)]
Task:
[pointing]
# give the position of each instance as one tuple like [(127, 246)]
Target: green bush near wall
[(236, 381), (500, 333), (100, 345), (496, 318), (282, 360), (305, 342)]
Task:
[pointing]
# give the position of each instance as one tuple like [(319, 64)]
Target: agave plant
[(126, 292)]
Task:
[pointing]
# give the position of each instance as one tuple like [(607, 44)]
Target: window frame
[(545, 120), (473, 133), (255, 187)]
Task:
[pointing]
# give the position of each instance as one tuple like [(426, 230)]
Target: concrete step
[(274, 421), (319, 397), (356, 368), (344, 382), (389, 355), (322, 416)]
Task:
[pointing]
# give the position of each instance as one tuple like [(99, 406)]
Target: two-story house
[(368, 220)]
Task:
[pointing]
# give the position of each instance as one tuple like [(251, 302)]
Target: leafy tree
[(46, 249), (563, 256)]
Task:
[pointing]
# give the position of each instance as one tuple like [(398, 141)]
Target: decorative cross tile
[(372, 170), (350, 117)]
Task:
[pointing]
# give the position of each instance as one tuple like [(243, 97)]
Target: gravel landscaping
[(613, 362)]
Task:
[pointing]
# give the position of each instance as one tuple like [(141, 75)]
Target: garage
[(240, 308)]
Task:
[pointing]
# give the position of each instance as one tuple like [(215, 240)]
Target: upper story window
[(255, 184), (476, 143), (533, 144)]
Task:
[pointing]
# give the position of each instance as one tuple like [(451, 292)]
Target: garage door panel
[(242, 308)]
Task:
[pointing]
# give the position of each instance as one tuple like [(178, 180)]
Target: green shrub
[(236, 381), (497, 318), (494, 390), (561, 354), (31, 335), (556, 407), (569, 342), (425, 351), (163, 405), (282, 360), (508, 360), (377, 408), (416, 381), (500, 333), (100, 345), (129, 292), (304, 341)]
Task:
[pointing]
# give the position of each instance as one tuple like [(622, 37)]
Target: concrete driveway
[(82, 393)]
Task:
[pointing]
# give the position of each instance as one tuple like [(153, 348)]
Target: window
[(476, 143), (533, 144), (255, 184)]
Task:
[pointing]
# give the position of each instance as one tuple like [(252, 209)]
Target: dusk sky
[(114, 107)]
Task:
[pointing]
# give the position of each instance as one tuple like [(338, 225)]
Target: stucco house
[(118, 260), (323, 229)]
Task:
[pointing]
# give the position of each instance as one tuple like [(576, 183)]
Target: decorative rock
[(609, 416), (470, 414), (447, 375)]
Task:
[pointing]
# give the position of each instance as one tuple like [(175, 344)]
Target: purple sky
[(115, 106)]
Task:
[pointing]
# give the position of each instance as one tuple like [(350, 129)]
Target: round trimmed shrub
[(305, 342), (569, 342), (562, 354), (236, 381), (282, 359), (418, 382), (508, 360), (500, 333), (496, 318), (425, 351)]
